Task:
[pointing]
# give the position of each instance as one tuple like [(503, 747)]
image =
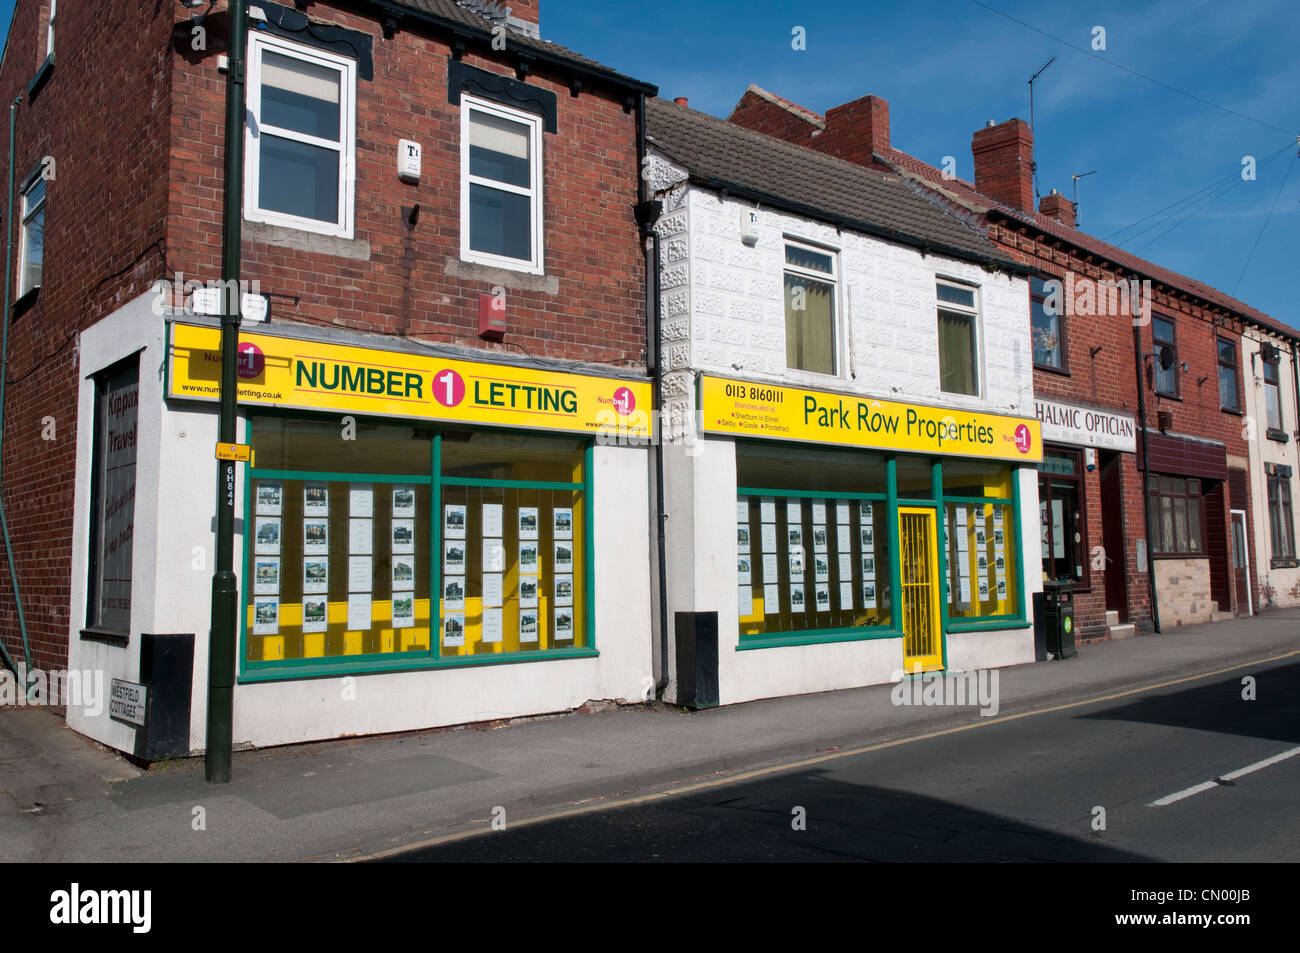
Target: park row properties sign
[(1086, 426)]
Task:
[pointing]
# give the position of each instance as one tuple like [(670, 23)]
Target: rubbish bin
[(1058, 617)]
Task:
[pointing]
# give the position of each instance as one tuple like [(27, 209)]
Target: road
[(1023, 788)]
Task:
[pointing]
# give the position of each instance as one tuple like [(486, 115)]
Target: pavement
[(64, 798)]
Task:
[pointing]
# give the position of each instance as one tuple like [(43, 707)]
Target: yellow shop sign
[(311, 375), (746, 409)]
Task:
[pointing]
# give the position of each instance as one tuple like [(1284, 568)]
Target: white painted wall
[(722, 312), (1284, 581), (172, 573)]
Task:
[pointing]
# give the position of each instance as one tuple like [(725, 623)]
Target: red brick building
[(1086, 380), (441, 223)]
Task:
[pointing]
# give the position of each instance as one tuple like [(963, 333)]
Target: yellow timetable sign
[(746, 409), (239, 452), (287, 372)]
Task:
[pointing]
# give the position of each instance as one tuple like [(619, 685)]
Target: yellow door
[(920, 571)]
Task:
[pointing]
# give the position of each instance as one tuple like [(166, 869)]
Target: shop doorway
[(1241, 562), (1112, 534), (922, 650)]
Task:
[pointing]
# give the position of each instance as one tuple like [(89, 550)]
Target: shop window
[(980, 541), (1164, 379), (112, 497), (1047, 327), (300, 136), (809, 560), (809, 309), (501, 186), (359, 549), (1281, 523), (32, 259), (1229, 392), (513, 562), (1272, 398), (958, 339), (1061, 515), (1177, 516)]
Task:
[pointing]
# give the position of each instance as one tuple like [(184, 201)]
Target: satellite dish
[(1165, 355)]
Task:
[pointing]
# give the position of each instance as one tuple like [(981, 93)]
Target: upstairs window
[(958, 339), (1048, 327), (49, 30), (1272, 396), (299, 160), (809, 309), (501, 186), (1229, 398), (33, 238), (1164, 379)]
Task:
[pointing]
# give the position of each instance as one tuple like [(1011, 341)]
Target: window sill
[(1284, 563), (1163, 396), (301, 239), (1279, 435), (42, 77), (984, 625), (507, 278), (297, 669), (107, 636), (816, 637), (1233, 411), (1060, 371), (1180, 555), (25, 301)]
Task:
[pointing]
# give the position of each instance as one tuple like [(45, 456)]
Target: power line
[(1231, 177), (1192, 210), (1121, 66), (1260, 236)]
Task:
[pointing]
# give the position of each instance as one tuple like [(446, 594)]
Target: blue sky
[(948, 66)]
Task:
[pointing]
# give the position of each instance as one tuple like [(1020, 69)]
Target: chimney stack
[(1004, 163), (681, 101), (1057, 206), (856, 130), (525, 16)]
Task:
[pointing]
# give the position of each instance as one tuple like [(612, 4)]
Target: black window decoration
[(461, 77)]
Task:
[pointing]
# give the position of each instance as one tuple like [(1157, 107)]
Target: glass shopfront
[(372, 545), (840, 544)]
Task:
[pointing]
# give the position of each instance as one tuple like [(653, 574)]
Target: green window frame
[(891, 502), (431, 656)]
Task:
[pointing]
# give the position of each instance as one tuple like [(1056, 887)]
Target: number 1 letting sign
[(287, 372)]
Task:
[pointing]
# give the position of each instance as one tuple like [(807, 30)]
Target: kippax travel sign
[(287, 372), (746, 409)]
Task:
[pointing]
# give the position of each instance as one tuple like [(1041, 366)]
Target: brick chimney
[(1004, 163), (525, 16), (1057, 206), (855, 130), (771, 115)]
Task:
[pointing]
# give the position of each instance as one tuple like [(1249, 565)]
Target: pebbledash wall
[(722, 311), (174, 532)]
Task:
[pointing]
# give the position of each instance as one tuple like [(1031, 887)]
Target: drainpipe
[(1146, 476), (647, 213), (4, 374)]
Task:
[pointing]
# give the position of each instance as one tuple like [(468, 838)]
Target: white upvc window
[(49, 29), (299, 147), (959, 338), (500, 186), (811, 326), (32, 257)]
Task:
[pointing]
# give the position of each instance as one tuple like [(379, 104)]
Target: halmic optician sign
[(312, 375), (1085, 426), (747, 409)]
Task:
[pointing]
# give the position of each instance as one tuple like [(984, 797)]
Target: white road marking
[(1240, 772)]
